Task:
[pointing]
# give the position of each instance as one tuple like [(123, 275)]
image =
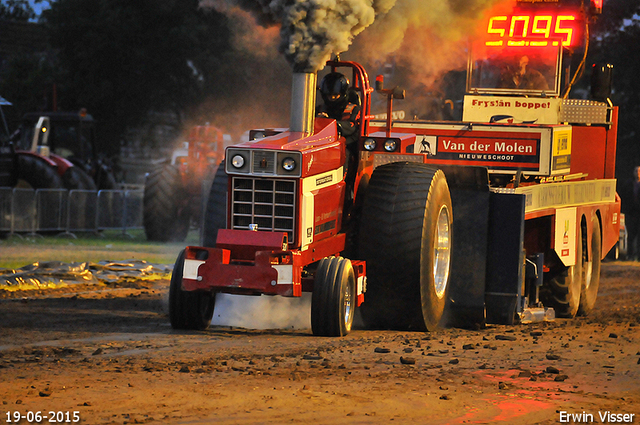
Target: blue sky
[(38, 7)]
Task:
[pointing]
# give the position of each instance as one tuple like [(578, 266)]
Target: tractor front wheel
[(188, 310), (334, 297)]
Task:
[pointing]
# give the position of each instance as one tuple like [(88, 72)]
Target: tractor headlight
[(390, 145), (237, 161), (369, 144), (289, 164), (258, 135)]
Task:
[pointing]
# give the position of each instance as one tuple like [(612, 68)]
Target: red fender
[(44, 158), (62, 163)]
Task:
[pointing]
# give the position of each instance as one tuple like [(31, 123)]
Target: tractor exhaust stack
[(303, 102)]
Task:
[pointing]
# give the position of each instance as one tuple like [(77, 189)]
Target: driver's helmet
[(333, 89)]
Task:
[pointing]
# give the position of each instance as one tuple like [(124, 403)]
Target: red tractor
[(55, 150), (173, 193), (500, 218)]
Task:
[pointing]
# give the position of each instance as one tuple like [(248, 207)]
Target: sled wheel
[(216, 211), (562, 291), (590, 269), (334, 297), (188, 310), (75, 178), (406, 237), (36, 173), (165, 213)]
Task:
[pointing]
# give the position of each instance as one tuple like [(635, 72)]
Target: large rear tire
[(590, 281), (36, 173), (334, 297), (215, 217), (188, 310), (166, 215), (406, 238)]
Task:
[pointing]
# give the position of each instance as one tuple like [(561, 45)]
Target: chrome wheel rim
[(442, 252), (587, 267), (348, 306)]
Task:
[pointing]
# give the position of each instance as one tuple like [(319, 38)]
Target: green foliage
[(26, 80), (17, 10), (122, 59), (615, 40)]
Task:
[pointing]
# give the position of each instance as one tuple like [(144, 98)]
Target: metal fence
[(69, 211)]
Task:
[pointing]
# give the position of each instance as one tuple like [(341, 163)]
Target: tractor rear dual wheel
[(165, 213), (406, 238), (334, 297), (188, 309)]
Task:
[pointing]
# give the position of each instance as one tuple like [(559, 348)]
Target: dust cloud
[(263, 312)]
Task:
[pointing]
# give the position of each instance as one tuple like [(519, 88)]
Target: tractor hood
[(322, 151)]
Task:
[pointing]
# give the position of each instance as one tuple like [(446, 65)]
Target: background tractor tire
[(334, 297), (188, 310), (562, 291), (37, 173), (215, 216), (406, 237), (590, 281), (75, 178), (104, 179), (165, 213)]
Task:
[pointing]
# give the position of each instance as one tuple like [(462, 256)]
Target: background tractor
[(55, 150), (173, 192)]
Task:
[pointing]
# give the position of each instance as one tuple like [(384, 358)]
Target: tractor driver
[(334, 89), (522, 76)]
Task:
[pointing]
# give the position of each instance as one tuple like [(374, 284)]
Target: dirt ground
[(109, 354)]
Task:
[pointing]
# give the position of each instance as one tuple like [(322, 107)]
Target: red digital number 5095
[(535, 30)]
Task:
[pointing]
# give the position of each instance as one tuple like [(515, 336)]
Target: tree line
[(123, 59)]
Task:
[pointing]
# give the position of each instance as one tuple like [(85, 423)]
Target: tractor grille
[(268, 203)]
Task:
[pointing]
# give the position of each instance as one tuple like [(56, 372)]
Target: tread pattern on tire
[(391, 237), (327, 303), (75, 178), (216, 211), (318, 325), (562, 290), (164, 218), (188, 310), (558, 292), (589, 296), (38, 173)]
